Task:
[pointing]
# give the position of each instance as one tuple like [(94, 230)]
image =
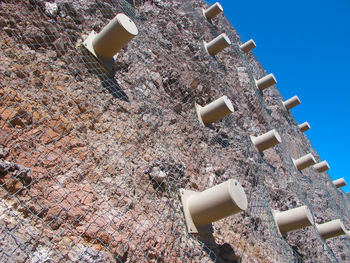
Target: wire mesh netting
[(91, 162)]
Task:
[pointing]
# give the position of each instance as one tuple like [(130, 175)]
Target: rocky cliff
[(91, 163)]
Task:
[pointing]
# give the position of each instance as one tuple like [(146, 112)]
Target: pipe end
[(219, 6), (237, 194), (277, 136), (312, 158), (228, 103), (252, 43), (322, 166), (309, 215), (224, 36), (273, 78), (297, 99), (127, 24)]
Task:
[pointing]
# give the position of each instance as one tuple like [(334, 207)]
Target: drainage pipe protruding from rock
[(291, 103), (212, 11), (112, 38), (266, 82), (321, 167), (339, 183), (331, 229), (203, 208), (304, 162), (217, 45), (293, 219), (304, 127), (248, 46), (214, 111), (267, 140)]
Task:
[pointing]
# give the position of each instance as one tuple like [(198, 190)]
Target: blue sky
[(306, 45)]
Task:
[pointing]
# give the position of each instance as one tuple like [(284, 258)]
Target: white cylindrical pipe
[(218, 44), (339, 183), (215, 111), (248, 46), (304, 162), (212, 11), (218, 202), (266, 140), (331, 229), (322, 166), (304, 126), (113, 37), (293, 219), (266, 82), (291, 103)]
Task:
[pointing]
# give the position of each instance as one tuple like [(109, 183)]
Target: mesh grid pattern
[(92, 162)]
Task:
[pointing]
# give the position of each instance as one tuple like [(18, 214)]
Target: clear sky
[(306, 45)]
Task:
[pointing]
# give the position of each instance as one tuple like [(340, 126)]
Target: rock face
[(91, 163)]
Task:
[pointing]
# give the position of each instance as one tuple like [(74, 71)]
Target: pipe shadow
[(222, 141), (107, 78), (109, 83), (217, 252), (221, 138), (262, 155), (298, 257)]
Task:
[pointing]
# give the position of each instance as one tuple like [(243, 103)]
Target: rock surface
[(91, 164)]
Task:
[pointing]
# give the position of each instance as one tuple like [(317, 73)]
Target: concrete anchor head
[(291, 103), (267, 140), (339, 183), (304, 161), (266, 82), (248, 46), (331, 229), (212, 11), (202, 208), (293, 219), (321, 166), (217, 45), (304, 127), (112, 38), (214, 111)]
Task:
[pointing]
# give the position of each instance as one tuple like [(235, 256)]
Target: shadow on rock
[(108, 82), (107, 78), (218, 252), (298, 257)]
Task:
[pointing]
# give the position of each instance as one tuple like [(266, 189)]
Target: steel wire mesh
[(92, 162)]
